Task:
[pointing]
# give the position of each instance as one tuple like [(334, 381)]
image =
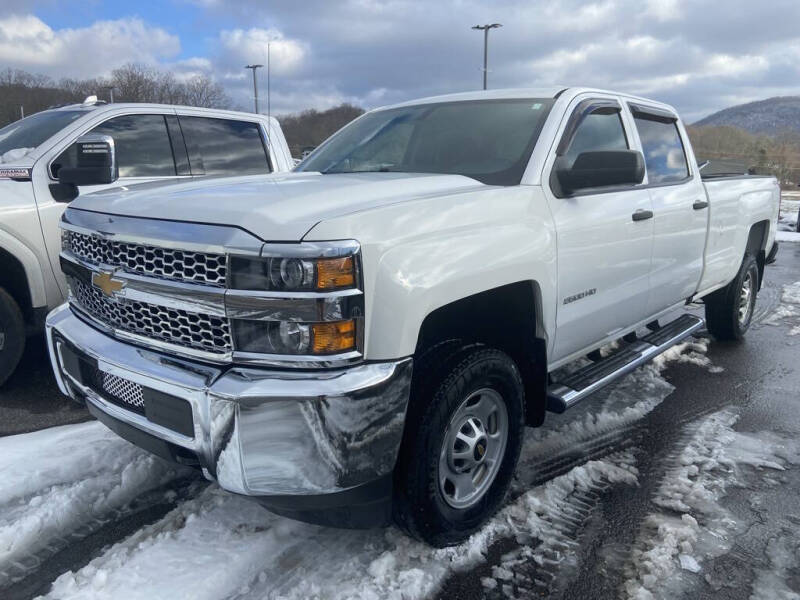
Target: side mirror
[(600, 169), (96, 162)]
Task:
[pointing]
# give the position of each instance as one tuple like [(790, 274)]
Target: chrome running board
[(573, 388)]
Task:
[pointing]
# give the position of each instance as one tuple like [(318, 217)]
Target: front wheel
[(461, 444), (12, 335), (729, 311)]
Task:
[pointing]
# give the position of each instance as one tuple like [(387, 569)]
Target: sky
[(698, 55)]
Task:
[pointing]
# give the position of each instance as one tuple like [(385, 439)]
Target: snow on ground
[(625, 405), (267, 556), (61, 480), (790, 203), (693, 526), (788, 236), (787, 314), (771, 584)]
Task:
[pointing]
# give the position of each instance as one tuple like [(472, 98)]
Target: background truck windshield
[(488, 140), (30, 132)]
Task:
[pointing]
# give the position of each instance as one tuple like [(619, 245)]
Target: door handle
[(642, 215), (700, 204)]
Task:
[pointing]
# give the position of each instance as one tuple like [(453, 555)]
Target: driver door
[(604, 237)]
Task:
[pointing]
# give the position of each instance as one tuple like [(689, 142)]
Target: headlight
[(289, 337), (293, 274)]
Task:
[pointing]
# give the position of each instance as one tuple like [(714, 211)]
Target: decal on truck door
[(584, 294)]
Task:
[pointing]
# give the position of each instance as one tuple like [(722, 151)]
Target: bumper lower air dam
[(318, 446)]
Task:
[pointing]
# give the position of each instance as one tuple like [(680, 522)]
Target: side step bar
[(573, 388)]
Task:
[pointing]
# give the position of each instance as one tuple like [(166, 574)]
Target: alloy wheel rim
[(473, 448), (745, 299)]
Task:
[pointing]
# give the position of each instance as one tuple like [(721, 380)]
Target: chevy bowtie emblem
[(105, 282)]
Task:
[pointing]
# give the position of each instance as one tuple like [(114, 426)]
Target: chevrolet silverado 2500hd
[(153, 142), (366, 338)]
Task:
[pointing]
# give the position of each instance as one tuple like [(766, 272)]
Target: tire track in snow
[(61, 484), (689, 526)]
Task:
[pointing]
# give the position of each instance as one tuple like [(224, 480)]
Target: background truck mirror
[(96, 162), (600, 169)]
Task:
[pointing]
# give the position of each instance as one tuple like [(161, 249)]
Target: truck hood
[(280, 207)]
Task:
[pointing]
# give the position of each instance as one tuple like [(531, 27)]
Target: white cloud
[(27, 42), (239, 46)]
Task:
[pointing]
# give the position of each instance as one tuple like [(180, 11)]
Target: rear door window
[(141, 144), (664, 154), (224, 146)]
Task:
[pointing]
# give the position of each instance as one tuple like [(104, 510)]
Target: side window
[(224, 147), (597, 131), (664, 155), (142, 146)]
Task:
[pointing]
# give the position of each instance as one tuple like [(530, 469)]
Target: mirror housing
[(600, 169), (96, 162)]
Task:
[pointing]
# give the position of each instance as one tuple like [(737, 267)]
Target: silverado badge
[(105, 282)]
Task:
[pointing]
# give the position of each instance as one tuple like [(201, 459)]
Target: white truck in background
[(364, 339), (153, 142)]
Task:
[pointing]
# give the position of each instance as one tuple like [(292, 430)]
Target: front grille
[(180, 327), (153, 261), (126, 393)]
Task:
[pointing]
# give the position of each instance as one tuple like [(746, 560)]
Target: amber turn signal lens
[(334, 273), (330, 338)]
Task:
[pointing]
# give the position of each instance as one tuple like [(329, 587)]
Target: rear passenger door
[(679, 206), (603, 250), (220, 147)]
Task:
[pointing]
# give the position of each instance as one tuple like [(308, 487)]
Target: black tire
[(12, 335), (723, 306), (443, 381)]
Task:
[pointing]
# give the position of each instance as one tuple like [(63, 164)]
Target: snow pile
[(790, 202), (697, 527), (788, 309), (62, 481), (692, 352), (266, 556)]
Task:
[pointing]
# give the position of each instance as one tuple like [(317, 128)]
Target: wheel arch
[(14, 279), (507, 317), (757, 246)]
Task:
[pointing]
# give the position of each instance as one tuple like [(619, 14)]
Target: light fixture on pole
[(486, 29), (255, 83)]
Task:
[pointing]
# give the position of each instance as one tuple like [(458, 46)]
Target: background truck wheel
[(12, 335), (729, 310), (461, 443)]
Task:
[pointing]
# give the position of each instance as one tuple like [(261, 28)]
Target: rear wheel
[(461, 444), (729, 311), (12, 335)]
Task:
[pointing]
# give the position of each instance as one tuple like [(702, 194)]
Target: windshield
[(488, 140), (20, 137)]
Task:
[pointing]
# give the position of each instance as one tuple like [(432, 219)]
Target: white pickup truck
[(366, 338), (153, 142)]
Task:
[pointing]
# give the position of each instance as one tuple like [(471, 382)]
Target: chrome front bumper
[(256, 431)]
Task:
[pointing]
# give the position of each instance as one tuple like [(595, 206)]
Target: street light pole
[(269, 101), (255, 83), (486, 29)]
